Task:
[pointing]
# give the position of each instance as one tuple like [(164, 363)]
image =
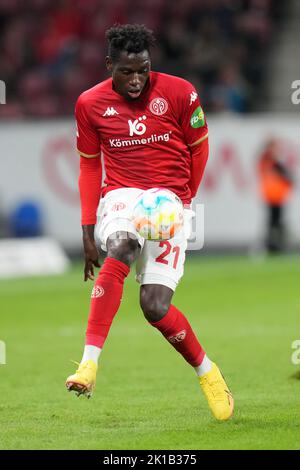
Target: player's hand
[(91, 259)]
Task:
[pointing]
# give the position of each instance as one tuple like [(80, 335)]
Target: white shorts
[(159, 262)]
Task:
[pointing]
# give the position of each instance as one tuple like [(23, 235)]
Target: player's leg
[(159, 269), (122, 249), (172, 323), (155, 302), (105, 302)]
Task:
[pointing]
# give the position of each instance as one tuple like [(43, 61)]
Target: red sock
[(106, 299), (177, 330)]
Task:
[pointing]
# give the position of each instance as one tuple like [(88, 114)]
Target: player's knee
[(154, 308), (123, 248)]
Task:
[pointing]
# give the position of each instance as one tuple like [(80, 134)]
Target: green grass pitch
[(246, 315)]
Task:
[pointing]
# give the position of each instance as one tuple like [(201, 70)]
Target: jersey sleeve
[(191, 115), (88, 141)]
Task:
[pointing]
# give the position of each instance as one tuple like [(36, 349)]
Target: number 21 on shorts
[(170, 255)]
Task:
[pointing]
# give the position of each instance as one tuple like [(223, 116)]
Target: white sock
[(204, 367), (91, 352)]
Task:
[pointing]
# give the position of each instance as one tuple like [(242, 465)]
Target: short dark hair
[(132, 38)]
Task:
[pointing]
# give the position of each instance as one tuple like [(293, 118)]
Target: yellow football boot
[(217, 393), (84, 379)]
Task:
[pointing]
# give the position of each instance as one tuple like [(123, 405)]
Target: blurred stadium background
[(243, 57), (240, 54)]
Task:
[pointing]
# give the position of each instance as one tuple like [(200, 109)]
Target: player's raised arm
[(90, 178)]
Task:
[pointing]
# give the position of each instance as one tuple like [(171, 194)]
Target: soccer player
[(151, 131)]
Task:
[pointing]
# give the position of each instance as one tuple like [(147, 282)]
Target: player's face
[(130, 73)]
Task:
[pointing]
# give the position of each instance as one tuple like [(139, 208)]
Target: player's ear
[(108, 63)]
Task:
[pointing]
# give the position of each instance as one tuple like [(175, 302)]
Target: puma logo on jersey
[(110, 111)]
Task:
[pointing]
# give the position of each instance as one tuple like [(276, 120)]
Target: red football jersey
[(144, 143)]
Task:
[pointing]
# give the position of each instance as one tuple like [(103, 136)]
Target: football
[(158, 214)]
